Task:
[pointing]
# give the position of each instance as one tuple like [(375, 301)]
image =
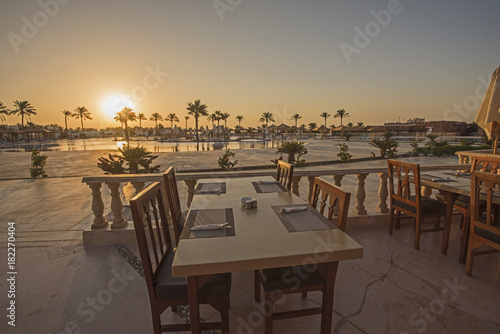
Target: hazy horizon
[(379, 60)]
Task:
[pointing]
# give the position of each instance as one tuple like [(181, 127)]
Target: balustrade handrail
[(305, 171)]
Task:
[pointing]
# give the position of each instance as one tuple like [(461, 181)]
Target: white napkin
[(210, 191), (294, 209), (436, 179), (268, 182), (210, 227)]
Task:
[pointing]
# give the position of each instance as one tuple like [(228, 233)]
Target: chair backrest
[(331, 197), (284, 174), (174, 204), (151, 230), (404, 182), (485, 164), (485, 188)]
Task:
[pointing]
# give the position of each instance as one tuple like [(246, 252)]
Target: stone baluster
[(359, 208), (116, 205), (138, 186), (295, 185), (337, 179), (190, 189), (311, 185), (382, 194), (97, 206), (426, 191)]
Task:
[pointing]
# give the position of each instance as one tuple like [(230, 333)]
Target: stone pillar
[(138, 186), (295, 185), (116, 205), (426, 191), (359, 208), (337, 179), (382, 194), (311, 185), (97, 206)]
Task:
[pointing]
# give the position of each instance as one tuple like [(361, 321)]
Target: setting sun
[(114, 103)]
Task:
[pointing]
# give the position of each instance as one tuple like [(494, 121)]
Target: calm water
[(153, 146)]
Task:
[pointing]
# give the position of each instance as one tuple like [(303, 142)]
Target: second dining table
[(256, 238)]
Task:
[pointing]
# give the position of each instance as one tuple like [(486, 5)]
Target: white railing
[(138, 181)]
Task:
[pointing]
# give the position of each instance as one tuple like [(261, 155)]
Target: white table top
[(261, 240), (459, 184)]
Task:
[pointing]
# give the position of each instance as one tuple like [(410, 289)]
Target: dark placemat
[(300, 221), (269, 187), (434, 178), (210, 186), (205, 217)]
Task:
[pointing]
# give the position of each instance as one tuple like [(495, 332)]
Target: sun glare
[(115, 103)]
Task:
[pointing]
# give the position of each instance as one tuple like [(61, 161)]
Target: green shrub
[(344, 154), (225, 163), (135, 157), (37, 164), (386, 145), (448, 149), (291, 148)]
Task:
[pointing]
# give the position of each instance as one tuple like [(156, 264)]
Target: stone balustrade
[(139, 181), (465, 157)]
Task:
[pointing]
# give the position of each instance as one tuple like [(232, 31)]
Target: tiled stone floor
[(72, 288)]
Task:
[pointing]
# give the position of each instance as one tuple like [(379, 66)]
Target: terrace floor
[(71, 288)]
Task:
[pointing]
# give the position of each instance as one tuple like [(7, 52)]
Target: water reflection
[(151, 145)]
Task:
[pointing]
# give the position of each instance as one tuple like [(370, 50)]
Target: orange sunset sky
[(379, 60)]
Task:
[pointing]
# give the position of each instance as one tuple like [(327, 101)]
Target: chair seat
[(429, 206), (176, 287), (462, 200), (289, 277), (487, 234)]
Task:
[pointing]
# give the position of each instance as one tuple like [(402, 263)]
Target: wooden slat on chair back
[(485, 164), (332, 197), (284, 174), (174, 203), (483, 187), (151, 229), (404, 181)]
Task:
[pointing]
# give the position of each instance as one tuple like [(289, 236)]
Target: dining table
[(253, 238), (450, 184)]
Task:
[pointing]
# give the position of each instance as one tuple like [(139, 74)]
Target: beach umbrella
[(488, 116)]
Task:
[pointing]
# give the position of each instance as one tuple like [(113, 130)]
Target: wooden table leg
[(326, 315), (194, 308), (450, 200)]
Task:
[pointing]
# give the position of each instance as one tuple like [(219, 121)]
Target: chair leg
[(304, 294), (398, 219), (391, 221), (256, 281), (416, 241), (438, 220), (470, 256), (156, 321), (224, 318), (268, 303)]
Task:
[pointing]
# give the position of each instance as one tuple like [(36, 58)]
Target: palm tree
[(156, 117), (141, 117), (186, 118), (266, 117), (82, 113), (296, 117), (212, 118), (325, 115), (23, 108), (3, 111), (172, 118), (197, 109), (361, 124), (312, 126), (341, 113), (291, 148), (125, 115), (218, 116), (239, 118), (224, 117), (66, 114)]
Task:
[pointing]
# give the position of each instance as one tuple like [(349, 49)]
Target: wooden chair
[(304, 278), (484, 222), (405, 197), (174, 205), (284, 174), (153, 239)]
